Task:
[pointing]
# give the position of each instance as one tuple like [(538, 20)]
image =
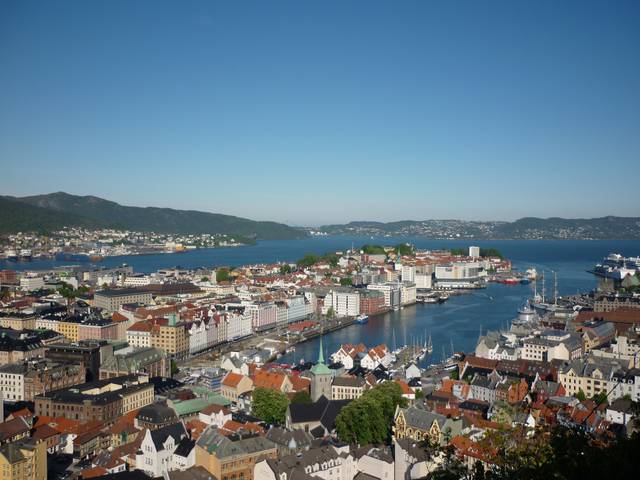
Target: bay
[(457, 322)]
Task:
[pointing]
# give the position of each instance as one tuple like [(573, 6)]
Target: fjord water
[(457, 321)]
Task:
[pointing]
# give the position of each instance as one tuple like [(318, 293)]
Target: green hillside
[(70, 210)]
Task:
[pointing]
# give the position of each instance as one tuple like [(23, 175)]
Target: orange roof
[(300, 383), (213, 408), (118, 317), (94, 472), (406, 389), (231, 426), (232, 379), (272, 380), (44, 431), (141, 326), (23, 412), (196, 427)]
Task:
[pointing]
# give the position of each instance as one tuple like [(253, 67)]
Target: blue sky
[(318, 112)]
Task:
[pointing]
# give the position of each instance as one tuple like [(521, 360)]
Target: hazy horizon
[(320, 113)]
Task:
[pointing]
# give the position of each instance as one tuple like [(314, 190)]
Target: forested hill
[(56, 210), (603, 228)]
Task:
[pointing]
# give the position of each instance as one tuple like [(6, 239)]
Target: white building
[(29, 284), (408, 273), (408, 292), (391, 291), (474, 252), (345, 303), (12, 382), (460, 274), (158, 447)]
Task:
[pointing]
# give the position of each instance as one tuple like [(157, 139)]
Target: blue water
[(457, 321)]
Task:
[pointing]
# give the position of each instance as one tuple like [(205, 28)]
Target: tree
[(373, 250), (404, 249), (581, 395), (308, 260), (204, 279), (302, 397), (600, 398), (346, 281), (222, 275), (174, 367), (331, 313), (269, 405), (285, 269), (368, 419)]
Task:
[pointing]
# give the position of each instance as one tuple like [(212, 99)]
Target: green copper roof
[(321, 369)]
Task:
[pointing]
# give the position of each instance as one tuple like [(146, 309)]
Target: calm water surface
[(457, 321)]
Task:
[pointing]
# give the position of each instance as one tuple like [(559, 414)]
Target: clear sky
[(317, 112)]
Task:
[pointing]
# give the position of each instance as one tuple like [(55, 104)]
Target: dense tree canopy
[(269, 405), (368, 419)]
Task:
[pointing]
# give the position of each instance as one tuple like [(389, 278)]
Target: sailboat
[(540, 303)]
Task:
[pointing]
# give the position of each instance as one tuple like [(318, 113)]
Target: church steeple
[(321, 354)]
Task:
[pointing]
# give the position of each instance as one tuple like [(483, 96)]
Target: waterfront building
[(460, 275), (264, 315), (391, 291), (474, 252), (408, 293), (371, 302), (345, 302), (592, 376)]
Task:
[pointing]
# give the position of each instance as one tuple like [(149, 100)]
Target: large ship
[(25, 254), (617, 267), (11, 254)]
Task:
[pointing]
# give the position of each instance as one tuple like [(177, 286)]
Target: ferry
[(11, 254), (25, 254), (362, 319), (617, 267)]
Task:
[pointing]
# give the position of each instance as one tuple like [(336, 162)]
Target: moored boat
[(362, 319)]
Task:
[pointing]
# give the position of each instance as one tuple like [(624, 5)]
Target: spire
[(321, 354)]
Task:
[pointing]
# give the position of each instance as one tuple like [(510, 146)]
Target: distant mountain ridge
[(528, 228), (60, 209)]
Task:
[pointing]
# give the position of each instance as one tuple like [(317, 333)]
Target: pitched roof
[(232, 379)]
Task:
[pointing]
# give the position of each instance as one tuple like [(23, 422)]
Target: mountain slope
[(604, 228), (161, 220), (17, 216)]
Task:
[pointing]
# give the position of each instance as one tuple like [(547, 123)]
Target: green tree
[(222, 275), (204, 279), (600, 398), (269, 405), (301, 397), (581, 395), (373, 250), (368, 419), (308, 260), (285, 269), (346, 281), (331, 313), (404, 249), (174, 368)]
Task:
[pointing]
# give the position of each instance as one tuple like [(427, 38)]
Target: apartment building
[(111, 300)]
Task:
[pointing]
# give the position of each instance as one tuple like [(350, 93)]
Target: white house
[(157, 449), (215, 415)]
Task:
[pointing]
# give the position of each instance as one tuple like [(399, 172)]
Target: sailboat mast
[(543, 288), (555, 288)]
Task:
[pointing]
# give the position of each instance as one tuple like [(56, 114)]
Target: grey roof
[(348, 381), (160, 436), (157, 413), (133, 361), (222, 447), (305, 459), (284, 437), (422, 419), (192, 473)]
